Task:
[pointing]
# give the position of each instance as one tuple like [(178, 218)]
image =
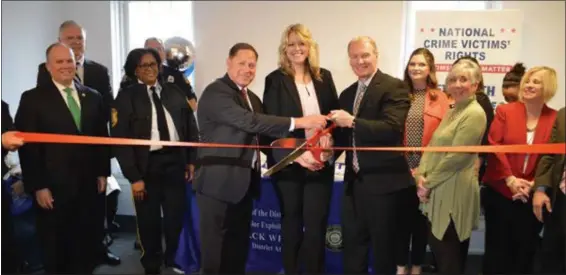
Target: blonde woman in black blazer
[(299, 87)]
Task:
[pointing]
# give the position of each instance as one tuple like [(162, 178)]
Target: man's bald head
[(60, 62), (74, 35)]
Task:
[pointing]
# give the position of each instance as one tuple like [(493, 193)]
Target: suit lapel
[(373, 88), (84, 99), (87, 73), (60, 105), (291, 88), (237, 93)]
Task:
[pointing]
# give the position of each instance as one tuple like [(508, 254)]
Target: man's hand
[(44, 198), (102, 182), (540, 199), (342, 118), (307, 160), (138, 190), (563, 187), (311, 122), (189, 172), (10, 141)]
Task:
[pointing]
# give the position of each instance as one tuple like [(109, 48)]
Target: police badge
[(114, 115)]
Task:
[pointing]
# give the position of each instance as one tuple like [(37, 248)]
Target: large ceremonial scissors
[(310, 144)]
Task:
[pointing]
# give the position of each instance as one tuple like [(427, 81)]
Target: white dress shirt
[(154, 129)]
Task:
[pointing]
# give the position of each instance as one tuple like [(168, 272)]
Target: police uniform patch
[(114, 117), (334, 238)]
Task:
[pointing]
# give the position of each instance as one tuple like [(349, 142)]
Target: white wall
[(543, 39), (219, 25), (24, 43)]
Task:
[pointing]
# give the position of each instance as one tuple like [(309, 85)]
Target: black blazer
[(96, 77), (68, 170), (380, 122), (225, 117), (132, 119), (281, 98)]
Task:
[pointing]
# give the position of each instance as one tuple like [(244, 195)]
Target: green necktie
[(73, 107)]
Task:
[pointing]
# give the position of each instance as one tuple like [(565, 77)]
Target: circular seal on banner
[(334, 238)]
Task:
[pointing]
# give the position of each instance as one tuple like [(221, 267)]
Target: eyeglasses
[(148, 65)]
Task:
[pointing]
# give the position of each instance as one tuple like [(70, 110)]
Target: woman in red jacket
[(512, 230), (428, 106)]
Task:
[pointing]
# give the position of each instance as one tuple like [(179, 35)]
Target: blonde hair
[(549, 82), (364, 38), (467, 68), (312, 60)]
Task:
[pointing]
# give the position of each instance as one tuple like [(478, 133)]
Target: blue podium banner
[(265, 238)]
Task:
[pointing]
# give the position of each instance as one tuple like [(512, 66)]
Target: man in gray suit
[(228, 179)]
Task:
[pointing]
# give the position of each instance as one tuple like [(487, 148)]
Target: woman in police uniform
[(152, 109)]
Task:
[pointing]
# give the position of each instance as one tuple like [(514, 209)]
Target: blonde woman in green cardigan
[(447, 182)]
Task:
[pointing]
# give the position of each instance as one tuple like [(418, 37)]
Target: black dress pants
[(511, 235), (304, 203), (553, 246), (371, 220), (166, 189), (413, 235)]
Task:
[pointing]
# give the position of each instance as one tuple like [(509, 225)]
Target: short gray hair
[(69, 23), (56, 44), (465, 67), (152, 39)]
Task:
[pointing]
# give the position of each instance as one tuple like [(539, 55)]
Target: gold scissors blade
[(286, 160)]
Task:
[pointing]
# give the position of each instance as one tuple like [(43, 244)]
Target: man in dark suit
[(373, 114), (65, 179), (10, 142), (154, 110), (171, 75), (227, 179), (95, 76), (549, 202)]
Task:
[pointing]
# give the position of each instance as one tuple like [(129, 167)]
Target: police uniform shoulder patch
[(114, 113)]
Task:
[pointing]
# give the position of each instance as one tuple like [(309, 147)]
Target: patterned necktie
[(256, 158), (161, 121), (357, 101), (73, 107), (415, 127)]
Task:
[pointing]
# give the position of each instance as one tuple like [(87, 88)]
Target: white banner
[(493, 37)]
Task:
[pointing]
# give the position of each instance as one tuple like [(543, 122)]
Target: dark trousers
[(165, 189), (511, 235), (224, 234), (371, 220), (10, 251), (100, 232), (412, 234), (553, 246), (304, 202), (450, 253), (67, 234)]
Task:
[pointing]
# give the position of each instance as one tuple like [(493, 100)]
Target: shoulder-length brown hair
[(431, 80), (312, 61)]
